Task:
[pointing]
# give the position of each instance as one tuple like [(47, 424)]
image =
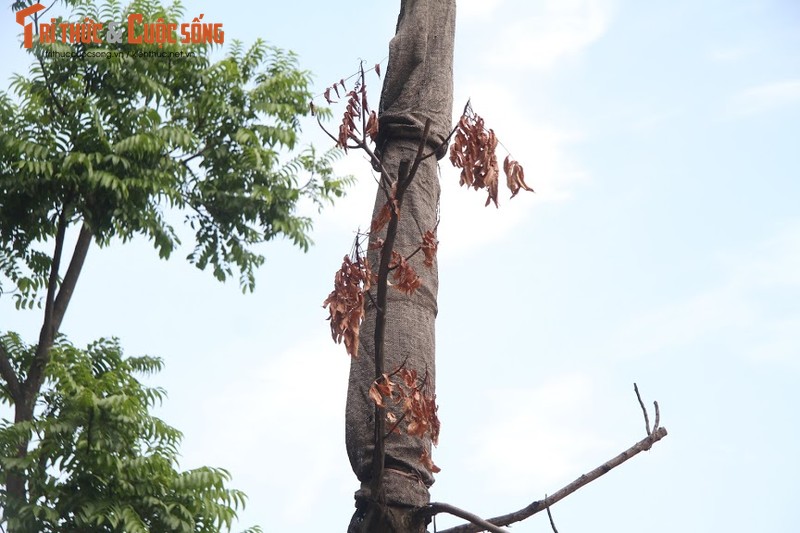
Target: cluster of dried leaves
[(474, 152), (403, 395), (392, 206), (353, 280), (346, 302), (404, 276), (429, 247), (356, 111)]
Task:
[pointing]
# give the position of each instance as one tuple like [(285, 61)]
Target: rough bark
[(417, 87)]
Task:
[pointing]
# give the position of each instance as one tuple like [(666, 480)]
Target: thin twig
[(441, 144), (644, 410), (395, 426), (327, 132), (482, 525), (364, 109), (375, 160), (550, 517), (658, 417), (351, 76)]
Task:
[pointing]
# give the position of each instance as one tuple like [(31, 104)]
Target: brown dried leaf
[(404, 275), (427, 462), (409, 377), (383, 217), (372, 126), (419, 410), (381, 388), (351, 113), (515, 176), (346, 302), (385, 385), (474, 152), (376, 396), (429, 247), (417, 427)]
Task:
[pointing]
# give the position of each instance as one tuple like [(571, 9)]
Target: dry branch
[(550, 517), (540, 505), (644, 409), (645, 444), (405, 176), (436, 508)]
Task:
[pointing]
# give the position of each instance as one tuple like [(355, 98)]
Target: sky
[(662, 247)]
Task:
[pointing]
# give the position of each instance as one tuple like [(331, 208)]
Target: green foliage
[(120, 142), (100, 461)]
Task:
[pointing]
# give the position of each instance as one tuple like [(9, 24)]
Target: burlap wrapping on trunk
[(417, 86)]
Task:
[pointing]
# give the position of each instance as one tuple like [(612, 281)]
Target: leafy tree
[(101, 142), (100, 461)]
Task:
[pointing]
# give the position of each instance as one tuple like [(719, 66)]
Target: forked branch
[(652, 437)]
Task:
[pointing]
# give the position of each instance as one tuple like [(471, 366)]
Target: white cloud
[(765, 98), (550, 32)]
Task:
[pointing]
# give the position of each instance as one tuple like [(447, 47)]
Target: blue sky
[(662, 247)]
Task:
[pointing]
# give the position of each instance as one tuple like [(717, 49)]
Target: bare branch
[(480, 523), (405, 176), (364, 110), (379, 453), (439, 147), (329, 134), (550, 517), (585, 479), (376, 163), (644, 409), (658, 416)]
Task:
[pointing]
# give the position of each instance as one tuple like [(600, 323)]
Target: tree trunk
[(418, 86)]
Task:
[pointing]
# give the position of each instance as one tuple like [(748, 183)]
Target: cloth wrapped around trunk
[(418, 85)]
